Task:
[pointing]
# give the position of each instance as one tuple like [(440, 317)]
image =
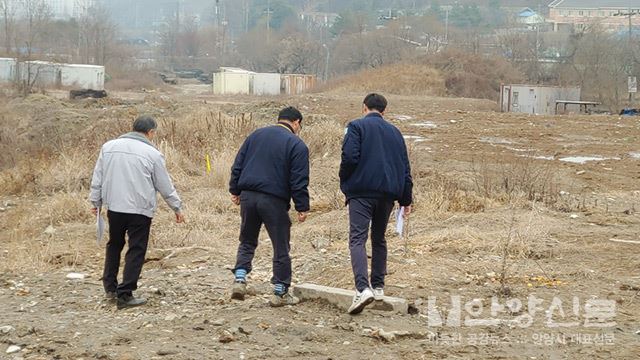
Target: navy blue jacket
[(375, 163), (273, 160)]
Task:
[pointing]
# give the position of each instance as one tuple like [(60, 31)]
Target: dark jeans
[(256, 209), (137, 227), (364, 212)]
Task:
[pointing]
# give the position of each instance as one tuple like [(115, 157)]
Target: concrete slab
[(342, 298)]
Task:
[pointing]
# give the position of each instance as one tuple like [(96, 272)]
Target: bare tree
[(36, 18), (373, 49), (189, 40), (97, 34), (600, 64), (297, 54), (8, 10)]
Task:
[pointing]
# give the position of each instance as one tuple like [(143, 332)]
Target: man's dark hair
[(290, 113), (144, 124), (375, 102)]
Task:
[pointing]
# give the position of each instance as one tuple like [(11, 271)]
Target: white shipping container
[(266, 84), (40, 73), (7, 70), (80, 76), (536, 99)]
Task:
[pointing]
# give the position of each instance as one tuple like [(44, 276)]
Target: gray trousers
[(365, 213), (256, 209)]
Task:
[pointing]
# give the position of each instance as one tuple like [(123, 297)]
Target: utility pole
[(217, 14), (326, 64), (446, 8), (246, 16), (268, 21), (630, 13), (630, 55)]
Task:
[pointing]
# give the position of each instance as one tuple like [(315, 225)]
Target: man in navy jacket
[(374, 172), (271, 168)]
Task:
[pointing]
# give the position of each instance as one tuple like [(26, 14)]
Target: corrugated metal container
[(232, 81), (266, 84), (535, 99), (81, 76), (7, 70), (292, 84)]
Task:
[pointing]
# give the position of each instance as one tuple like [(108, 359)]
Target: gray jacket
[(128, 173)]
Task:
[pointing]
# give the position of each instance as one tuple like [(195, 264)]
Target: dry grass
[(59, 181), (514, 179), (135, 80), (473, 76), (398, 79)]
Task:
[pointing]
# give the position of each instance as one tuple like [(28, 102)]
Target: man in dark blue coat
[(374, 173), (271, 168)]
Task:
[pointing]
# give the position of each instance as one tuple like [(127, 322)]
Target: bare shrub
[(514, 178), (471, 75), (399, 79), (442, 194), (323, 138), (68, 173)]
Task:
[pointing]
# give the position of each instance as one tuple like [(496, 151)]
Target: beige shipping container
[(232, 81)]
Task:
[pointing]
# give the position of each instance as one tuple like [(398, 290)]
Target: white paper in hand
[(99, 227), (400, 221)]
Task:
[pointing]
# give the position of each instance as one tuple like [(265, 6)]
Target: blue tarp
[(630, 112)]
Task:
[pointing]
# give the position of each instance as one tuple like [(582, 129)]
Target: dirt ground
[(538, 213)]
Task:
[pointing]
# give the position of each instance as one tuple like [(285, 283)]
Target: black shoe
[(127, 301)]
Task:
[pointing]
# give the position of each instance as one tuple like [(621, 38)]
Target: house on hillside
[(319, 19), (576, 14), (529, 17)]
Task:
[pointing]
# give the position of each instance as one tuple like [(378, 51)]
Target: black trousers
[(365, 213), (256, 209), (137, 227)]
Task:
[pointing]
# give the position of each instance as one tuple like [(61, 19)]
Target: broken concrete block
[(342, 298)]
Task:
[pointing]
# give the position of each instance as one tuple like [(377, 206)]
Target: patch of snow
[(584, 159)]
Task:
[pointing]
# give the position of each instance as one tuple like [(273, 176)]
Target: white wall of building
[(534, 99), (82, 76), (75, 76), (7, 70), (266, 84)]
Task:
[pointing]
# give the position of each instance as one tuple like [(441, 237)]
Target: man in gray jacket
[(128, 173)]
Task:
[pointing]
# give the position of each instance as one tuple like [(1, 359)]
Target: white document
[(99, 227), (400, 221)]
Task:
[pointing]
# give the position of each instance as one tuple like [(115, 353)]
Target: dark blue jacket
[(375, 163), (273, 160)]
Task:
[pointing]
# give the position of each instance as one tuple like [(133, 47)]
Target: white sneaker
[(378, 294), (360, 300)]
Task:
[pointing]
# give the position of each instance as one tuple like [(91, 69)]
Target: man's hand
[(407, 211), (179, 218), (302, 216), (235, 199), (94, 211)]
